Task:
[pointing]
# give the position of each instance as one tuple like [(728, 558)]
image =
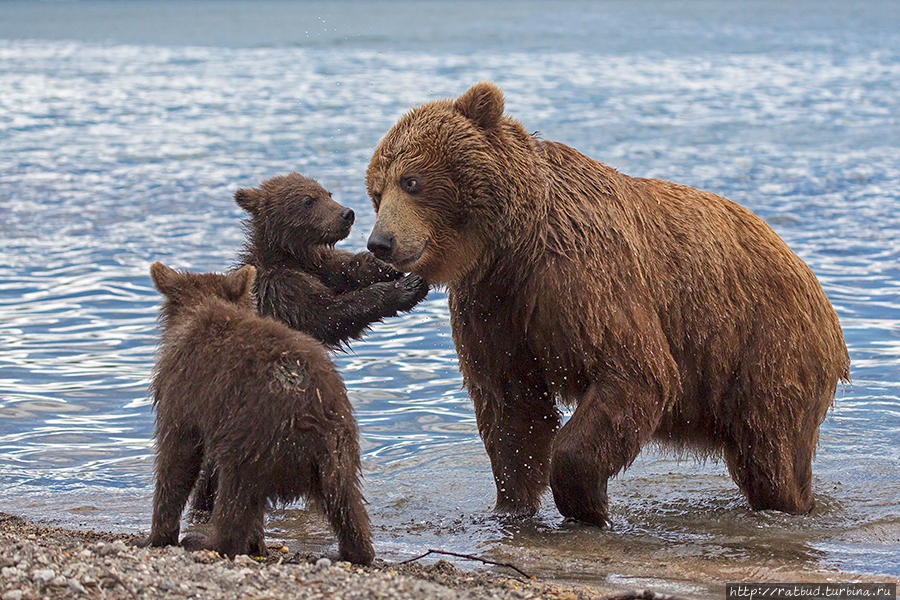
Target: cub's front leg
[(345, 272)]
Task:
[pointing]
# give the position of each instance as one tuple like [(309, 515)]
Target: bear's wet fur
[(302, 280), (260, 401), (659, 311)]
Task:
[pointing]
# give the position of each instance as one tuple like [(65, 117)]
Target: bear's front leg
[(345, 272), (363, 269), (605, 434), (517, 423)]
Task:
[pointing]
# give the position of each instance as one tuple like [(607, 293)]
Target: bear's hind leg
[(204, 497), (237, 516), (605, 434), (773, 473), (337, 492), (177, 465)]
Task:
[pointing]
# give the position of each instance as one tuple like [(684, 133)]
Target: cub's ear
[(165, 279), (239, 283), (249, 199), (482, 104)]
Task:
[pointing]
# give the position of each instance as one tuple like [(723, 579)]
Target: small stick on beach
[(470, 557)]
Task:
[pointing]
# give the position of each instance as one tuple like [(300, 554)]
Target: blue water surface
[(126, 127)]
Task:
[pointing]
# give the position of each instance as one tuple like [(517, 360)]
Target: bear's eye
[(410, 185), (376, 200), (308, 201)]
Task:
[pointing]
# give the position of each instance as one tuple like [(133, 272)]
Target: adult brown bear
[(659, 311)]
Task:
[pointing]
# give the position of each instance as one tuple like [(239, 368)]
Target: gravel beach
[(38, 561)]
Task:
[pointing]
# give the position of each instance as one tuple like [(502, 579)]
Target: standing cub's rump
[(260, 401)]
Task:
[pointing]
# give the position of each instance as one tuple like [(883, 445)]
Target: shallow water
[(126, 127)]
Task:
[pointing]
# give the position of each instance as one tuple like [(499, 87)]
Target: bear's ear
[(248, 198), (239, 283), (482, 104), (165, 279)]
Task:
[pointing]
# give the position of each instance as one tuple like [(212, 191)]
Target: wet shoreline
[(41, 561)]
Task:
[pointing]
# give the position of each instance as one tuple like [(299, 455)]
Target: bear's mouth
[(405, 263), (332, 238)]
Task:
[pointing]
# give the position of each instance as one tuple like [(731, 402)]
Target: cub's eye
[(376, 199), (410, 185), (308, 201)]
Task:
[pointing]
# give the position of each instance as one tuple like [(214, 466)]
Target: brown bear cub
[(658, 311), (260, 401), (302, 280)]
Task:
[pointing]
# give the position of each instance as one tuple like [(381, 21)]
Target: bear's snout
[(381, 245), (347, 215)]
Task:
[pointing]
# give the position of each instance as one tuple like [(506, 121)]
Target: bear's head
[(185, 290), (294, 213), (443, 181)]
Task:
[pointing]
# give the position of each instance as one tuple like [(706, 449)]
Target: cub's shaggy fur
[(661, 312), (302, 280), (260, 401)]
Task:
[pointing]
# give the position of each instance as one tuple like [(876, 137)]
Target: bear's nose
[(347, 215), (381, 245)]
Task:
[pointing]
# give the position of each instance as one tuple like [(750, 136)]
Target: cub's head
[(440, 181), (184, 290), (293, 212)]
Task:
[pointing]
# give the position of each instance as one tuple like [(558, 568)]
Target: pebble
[(59, 581), (9, 572), (112, 548), (12, 595), (76, 586), (43, 574), (323, 563)]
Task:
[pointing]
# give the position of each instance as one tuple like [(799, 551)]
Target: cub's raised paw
[(385, 271), (414, 289)]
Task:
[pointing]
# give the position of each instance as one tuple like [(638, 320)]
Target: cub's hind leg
[(178, 459), (238, 515)]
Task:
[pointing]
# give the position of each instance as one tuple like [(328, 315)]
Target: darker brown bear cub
[(302, 280), (260, 401), (659, 311)]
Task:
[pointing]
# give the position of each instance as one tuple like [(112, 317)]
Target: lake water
[(126, 127)]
